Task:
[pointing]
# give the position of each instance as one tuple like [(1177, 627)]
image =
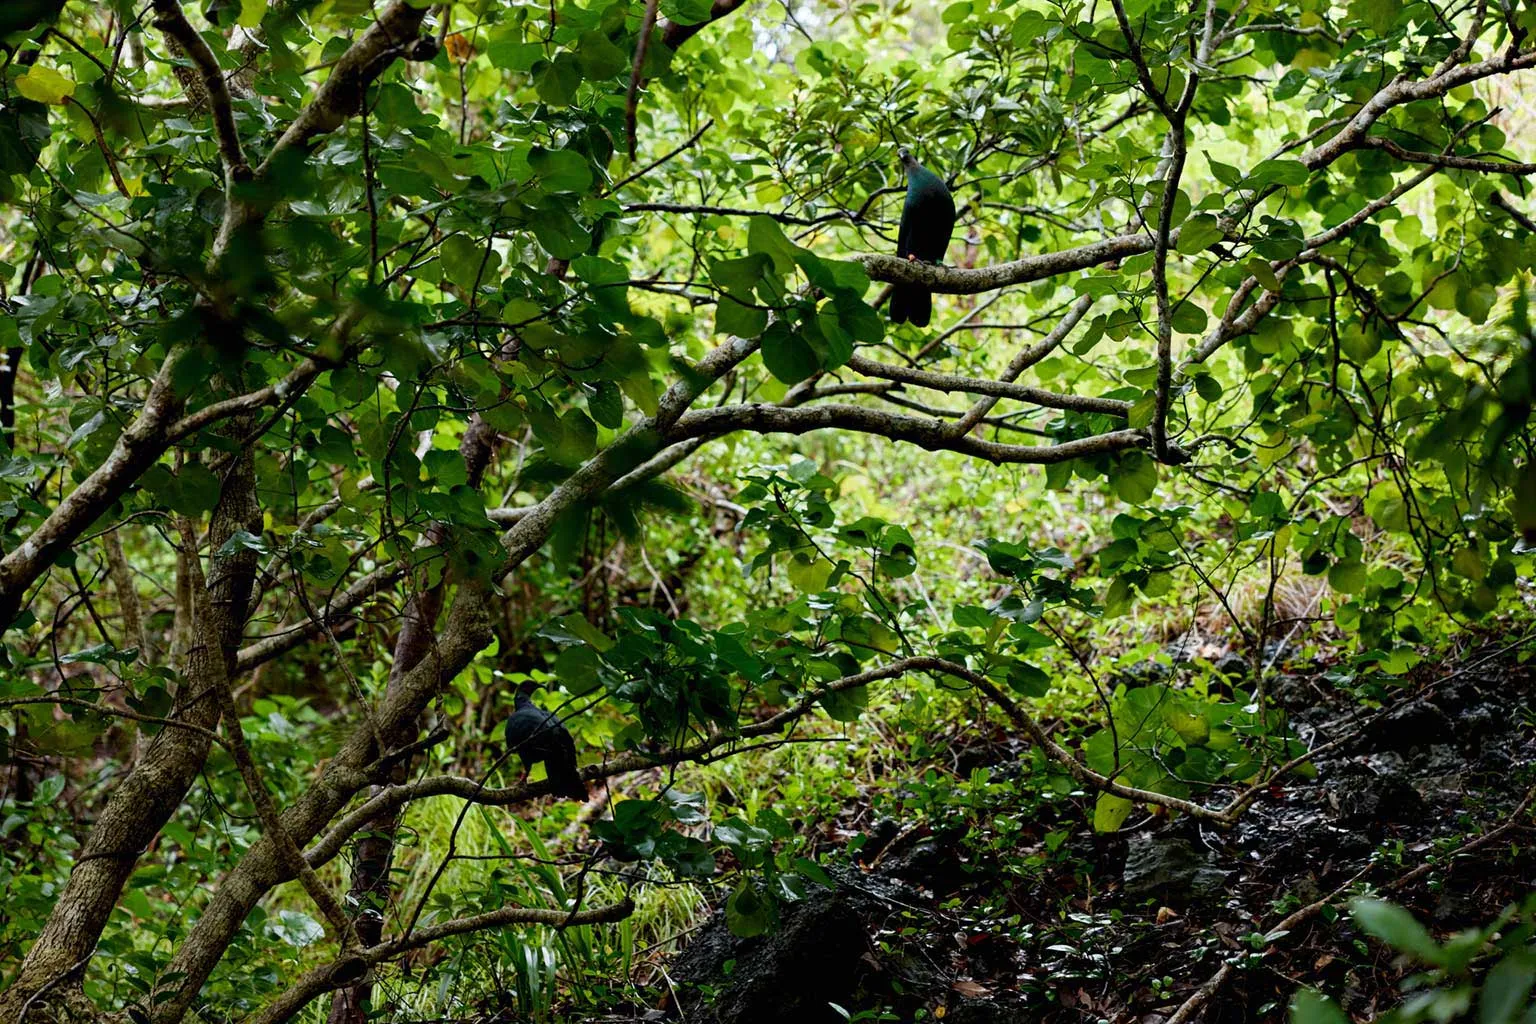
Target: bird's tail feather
[(911, 304), (567, 782)]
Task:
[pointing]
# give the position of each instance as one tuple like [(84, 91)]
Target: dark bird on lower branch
[(927, 221), (536, 735)]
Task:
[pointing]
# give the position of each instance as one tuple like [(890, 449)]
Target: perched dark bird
[(927, 221), (535, 735)]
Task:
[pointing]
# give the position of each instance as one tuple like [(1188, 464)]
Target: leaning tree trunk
[(147, 798), (374, 853)]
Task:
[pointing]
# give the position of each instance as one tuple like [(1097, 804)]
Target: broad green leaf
[(731, 317), (764, 236), (748, 913), (1507, 989), (1347, 577), (1198, 233), (251, 13), (599, 57), (1312, 1007), (557, 81), (1278, 172), (1135, 477), (559, 233), (1396, 927), (787, 355), (43, 84), (1110, 812), (560, 170)]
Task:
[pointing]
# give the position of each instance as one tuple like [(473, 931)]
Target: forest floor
[(1425, 800)]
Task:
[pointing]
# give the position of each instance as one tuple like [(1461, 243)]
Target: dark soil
[(926, 925)]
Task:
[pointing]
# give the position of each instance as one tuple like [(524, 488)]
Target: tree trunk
[(368, 899), (465, 634), (147, 798)]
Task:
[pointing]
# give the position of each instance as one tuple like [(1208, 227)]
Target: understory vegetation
[(1146, 638)]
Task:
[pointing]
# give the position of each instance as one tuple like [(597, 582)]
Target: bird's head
[(907, 159)]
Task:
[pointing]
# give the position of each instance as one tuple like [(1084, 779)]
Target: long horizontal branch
[(1460, 163), (137, 448), (1403, 90), (961, 281), (951, 382), (341, 95), (737, 211), (1061, 755), (1236, 321), (140, 445), (641, 442), (286, 390), (927, 433)]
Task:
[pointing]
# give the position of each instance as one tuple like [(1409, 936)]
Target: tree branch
[(950, 382), (319, 980), (675, 34), (170, 20), (930, 434)]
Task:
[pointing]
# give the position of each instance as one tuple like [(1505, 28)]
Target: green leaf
[(560, 170), (1312, 1007), (606, 404), (1198, 233), (1135, 477), (556, 81), (1506, 989), (462, 259), (640, 389), (1188, 318), (296, 928), (1192, 728), (1279, 172), (731, 317), (1207, 387), (45, 85), (747, 913), (196, 490), (511, 53), (686, 12), (576, 667), (1347, 577), (787, 355), (738, 277), (1384, 504), (845, 705), (1224, 173), (969, 616), (766, 237), (1397, 928), (559, 233), (1468, 564), (1110, 812), (598, 57), (251, 13), (808, 572)]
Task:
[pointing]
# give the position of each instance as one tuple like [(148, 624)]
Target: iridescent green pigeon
[(927, 221)]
